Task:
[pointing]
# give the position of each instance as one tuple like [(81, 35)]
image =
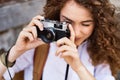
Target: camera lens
[(48, 35)]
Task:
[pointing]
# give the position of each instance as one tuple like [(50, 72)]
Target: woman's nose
[(77, 29)]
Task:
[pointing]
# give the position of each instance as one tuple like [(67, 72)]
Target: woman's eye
[(86, 24)]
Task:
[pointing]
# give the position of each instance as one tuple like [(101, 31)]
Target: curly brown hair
[(103, 43)]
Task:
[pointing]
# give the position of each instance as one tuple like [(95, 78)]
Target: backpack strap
[(19, 76), (40, 57)]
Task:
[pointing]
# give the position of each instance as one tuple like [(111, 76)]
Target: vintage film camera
[(53, 30)]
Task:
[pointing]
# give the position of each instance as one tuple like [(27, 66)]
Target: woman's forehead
[(75, 11)]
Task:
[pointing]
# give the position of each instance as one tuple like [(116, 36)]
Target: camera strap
[(66, 73)]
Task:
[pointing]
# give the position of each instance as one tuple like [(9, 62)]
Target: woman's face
[(80, 18)]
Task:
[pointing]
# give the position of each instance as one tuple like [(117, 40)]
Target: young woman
[(91, 51)]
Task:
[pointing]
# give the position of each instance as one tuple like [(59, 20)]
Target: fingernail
[(42, 17), (70, 25), (41, 29)]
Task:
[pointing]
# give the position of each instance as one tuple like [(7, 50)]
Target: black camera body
[(53, 30)]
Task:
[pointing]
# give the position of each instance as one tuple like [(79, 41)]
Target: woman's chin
[(78, 42)]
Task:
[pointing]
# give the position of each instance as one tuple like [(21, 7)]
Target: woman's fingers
[(27, 40), (72, 33), (36, 22), (66, 48), (31, 30), (65, 41), (38, 17), (67, 54), (26, 36)]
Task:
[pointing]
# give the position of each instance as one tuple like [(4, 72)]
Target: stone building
[(14, 14)]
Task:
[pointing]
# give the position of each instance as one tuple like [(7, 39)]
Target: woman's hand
[(27, 38), (68, 50)]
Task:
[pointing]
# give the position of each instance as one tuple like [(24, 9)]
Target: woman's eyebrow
[(88, 21), (82, 21), (67, 18)]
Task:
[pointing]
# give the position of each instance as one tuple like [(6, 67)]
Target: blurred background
[(15, 14)]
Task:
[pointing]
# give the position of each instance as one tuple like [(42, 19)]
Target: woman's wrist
[(83, 72), (14, 53), (4, 59), (80, 69)]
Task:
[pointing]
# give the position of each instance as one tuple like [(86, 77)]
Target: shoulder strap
[(40, 57)]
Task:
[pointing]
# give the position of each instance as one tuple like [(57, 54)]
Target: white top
[(55, 66)]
